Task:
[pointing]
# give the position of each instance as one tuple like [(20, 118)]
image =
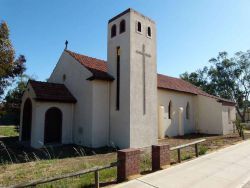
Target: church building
[(120, 102)]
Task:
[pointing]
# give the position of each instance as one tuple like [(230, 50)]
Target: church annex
[(120, 102)]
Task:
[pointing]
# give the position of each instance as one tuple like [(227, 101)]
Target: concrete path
[(228, 168)]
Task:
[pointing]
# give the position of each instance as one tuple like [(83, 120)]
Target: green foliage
[(10, 67), (185, 157), (203, 150), (145, 162), (13, 99), (240, 128), (8, 131), (228, 78)]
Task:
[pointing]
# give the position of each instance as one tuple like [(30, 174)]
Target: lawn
[(8, 131), (24, 164)]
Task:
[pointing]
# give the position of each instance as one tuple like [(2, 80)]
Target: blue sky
[(189, 32)]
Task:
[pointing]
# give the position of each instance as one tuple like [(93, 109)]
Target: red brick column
[(160, 156), (128, 163)]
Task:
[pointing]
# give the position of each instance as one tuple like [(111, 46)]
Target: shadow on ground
[(13, 151)]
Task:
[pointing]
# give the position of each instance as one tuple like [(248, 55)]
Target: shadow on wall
[(172, 126)]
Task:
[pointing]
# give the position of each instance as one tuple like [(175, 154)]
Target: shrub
[(202, 150)]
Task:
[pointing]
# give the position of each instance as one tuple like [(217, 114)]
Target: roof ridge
[(198, 90), (69, 51), (45, 82)]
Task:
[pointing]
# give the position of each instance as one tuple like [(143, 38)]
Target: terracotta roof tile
[(99, 70), (46, 91), (177, 84), (96, 66)]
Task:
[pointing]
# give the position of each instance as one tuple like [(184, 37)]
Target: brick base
[(160, 156), (128, 163)]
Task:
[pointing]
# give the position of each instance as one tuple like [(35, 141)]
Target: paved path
[(226, 168)]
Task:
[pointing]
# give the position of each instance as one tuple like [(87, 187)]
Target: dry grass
[(23, 172), (41, 168), (8, 131), (212, 143)]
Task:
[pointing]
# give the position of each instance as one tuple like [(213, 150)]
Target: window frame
[(137, 26), (122, 25), (149, 30), (113, 31), (188, 111), (170, 109)]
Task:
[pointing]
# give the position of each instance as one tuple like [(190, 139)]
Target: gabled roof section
[(171, 83), (100, 71), (46, 91), (96, 66), (177, 84)]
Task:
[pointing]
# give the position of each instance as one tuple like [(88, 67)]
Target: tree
[(10, 67), (227, 78), (13, 99)]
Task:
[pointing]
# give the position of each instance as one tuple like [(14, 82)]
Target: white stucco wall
[(120, 119), (29, 93), (37, 138), (178, 99), (38, 118), (144, 129), (228, 117), (81, 89), (100, 117), (209, 115), (91, 117), (129, 126)]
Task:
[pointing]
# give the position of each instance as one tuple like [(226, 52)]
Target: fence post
[(97, 179), (196, 150), (179, 155), (128, 163), (160, 156)]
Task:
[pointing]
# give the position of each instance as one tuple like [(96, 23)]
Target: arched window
[(139, 26), (113, 31), (122, 26), (149, 32), (64, 77), (187, 111), (170, 110)]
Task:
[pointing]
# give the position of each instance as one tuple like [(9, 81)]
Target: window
[(113, 31), (149, 32), (139, 27), (187, 111), (122, 26), (64, 77), (118, 78), (170, 110)]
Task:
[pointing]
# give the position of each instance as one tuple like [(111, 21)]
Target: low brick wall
[(128, 163), (160, 156)]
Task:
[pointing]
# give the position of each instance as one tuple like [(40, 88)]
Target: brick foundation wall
[(160, 156), (129, 163)]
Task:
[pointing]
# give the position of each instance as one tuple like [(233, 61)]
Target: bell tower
[(133, 93)]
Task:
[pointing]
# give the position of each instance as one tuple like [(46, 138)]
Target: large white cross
[(144, 55)]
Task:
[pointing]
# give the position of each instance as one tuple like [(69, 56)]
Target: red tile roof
[(167, 82), (99, 70), (177, 84), (96, 66), (46, 91)]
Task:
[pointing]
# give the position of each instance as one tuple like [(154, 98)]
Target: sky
[(189, 32)]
